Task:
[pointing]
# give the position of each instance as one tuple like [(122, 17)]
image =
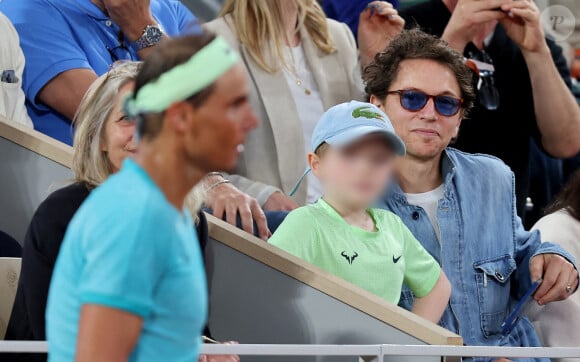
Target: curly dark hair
[(569, 198), (415, 44)]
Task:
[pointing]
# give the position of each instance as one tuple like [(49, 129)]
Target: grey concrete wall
[(26, 178)]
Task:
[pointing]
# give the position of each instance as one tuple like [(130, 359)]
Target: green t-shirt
[(379, 261)]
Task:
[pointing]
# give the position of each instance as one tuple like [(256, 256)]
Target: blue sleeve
[(49, 45), (187, 22), (123, 266)]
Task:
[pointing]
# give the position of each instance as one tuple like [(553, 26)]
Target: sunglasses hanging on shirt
[(120, 52), (482, 64)]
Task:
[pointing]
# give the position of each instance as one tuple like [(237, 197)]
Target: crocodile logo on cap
[(366, 112)]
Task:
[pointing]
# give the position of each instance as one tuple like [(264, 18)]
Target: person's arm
[(132, 16), (559, 275), (123, 265), (536, 260), (242, 197), (64, 92), (219, 358), (468, 19), (432, 306), (378, 24), (262, 192), (106, 334), (557, 112)]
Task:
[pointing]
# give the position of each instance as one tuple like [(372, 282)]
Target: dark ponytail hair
[(569, 198)]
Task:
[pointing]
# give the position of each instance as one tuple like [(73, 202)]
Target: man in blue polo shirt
[(69, 43)]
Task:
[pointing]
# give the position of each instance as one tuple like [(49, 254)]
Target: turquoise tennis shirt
[(127, 248), (60, 35)]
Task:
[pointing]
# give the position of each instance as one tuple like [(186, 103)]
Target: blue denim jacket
[(485, 250)]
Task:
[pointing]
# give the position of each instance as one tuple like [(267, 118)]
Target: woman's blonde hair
[(91, 164), (259, 25)]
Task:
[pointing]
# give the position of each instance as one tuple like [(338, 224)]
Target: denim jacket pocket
[(493, 289)]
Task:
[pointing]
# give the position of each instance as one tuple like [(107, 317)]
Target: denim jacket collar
[(447, 169)]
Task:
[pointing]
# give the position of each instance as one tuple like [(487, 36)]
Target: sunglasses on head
[(415, 100)]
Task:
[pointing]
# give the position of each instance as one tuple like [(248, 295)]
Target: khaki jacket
[(274, 156)]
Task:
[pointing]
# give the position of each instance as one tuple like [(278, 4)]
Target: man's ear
[(376, 101), (178, 116)]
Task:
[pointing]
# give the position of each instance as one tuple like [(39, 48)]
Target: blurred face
[(426, 132), (219, 127), (357, 174), (118, 141)]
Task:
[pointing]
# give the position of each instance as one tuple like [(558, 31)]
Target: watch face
[(153, 34)]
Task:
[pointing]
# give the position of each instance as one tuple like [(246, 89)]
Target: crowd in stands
[(416, 129)]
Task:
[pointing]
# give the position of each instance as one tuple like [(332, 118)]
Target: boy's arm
[(432, 306)]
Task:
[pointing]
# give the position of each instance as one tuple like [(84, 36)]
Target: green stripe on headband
[(184, 80)]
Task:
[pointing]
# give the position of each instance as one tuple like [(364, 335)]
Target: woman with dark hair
[(557, 323), (129, 282)]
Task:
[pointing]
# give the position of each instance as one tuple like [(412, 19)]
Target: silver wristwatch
[(151, 36)]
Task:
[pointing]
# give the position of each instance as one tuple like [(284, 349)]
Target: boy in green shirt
[(354, 148)]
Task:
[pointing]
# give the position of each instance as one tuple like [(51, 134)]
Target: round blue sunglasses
[(414, 101)]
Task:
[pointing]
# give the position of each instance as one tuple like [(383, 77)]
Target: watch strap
[(144, 41)]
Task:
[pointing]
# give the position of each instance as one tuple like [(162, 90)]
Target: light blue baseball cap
[(347, 123)]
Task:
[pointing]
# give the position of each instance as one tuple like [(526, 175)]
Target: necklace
[(299, 82), (291, 68), (306, 90)]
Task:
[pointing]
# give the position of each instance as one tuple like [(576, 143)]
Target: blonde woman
[(104, 138), (300, 63)]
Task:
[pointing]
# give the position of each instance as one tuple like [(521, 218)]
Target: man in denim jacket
[(461, 207)]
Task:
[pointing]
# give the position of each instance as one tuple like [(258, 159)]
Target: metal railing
[(377, 350)]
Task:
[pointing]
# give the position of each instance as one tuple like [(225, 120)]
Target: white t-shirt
[(11, 68), (309, 106), (429, 201)]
